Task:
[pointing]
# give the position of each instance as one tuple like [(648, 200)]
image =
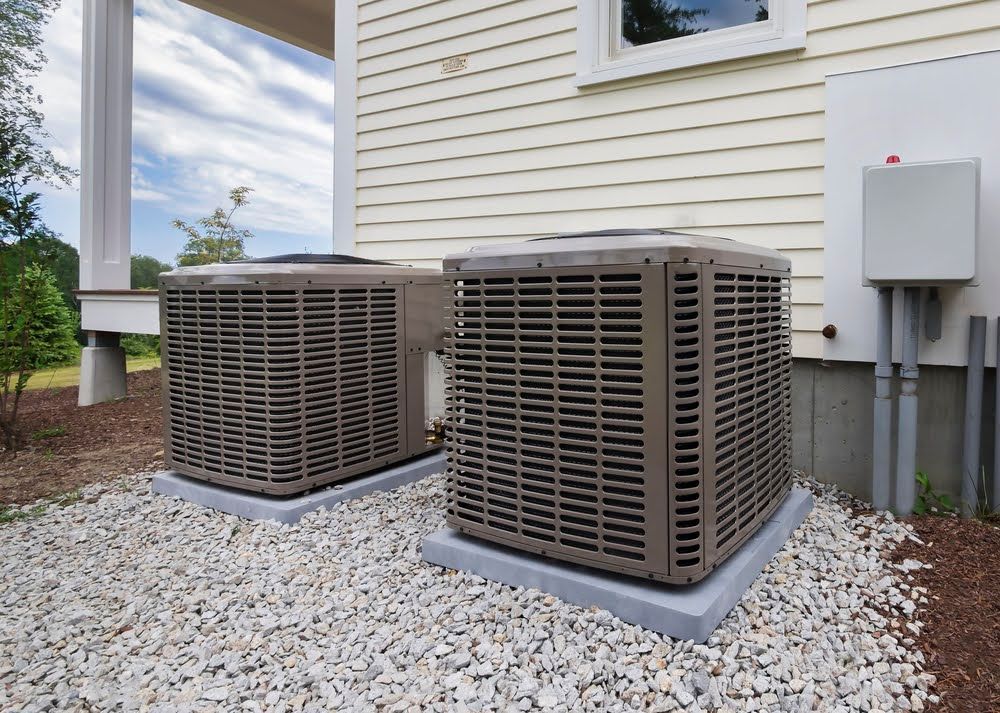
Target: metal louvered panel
[(751, 367), (556, 419), (282, 388), (686, 434)]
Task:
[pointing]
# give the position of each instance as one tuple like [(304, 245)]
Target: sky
[(215, 105)]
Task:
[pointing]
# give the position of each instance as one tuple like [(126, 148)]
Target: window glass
[(646, 21)]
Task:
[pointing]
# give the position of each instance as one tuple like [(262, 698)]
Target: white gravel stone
[(127, 601)]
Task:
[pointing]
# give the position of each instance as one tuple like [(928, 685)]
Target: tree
[(58, 257), (221, 241), (761, 13), (146, 272), (646, 21), (21, 120), (37, 329)]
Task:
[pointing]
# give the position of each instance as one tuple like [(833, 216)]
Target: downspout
[(882, 433), (906, 456), (971, 438)]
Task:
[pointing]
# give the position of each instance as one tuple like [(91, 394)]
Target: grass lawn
[(69, 375)]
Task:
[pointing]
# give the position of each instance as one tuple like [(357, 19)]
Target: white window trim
[(599, 61)]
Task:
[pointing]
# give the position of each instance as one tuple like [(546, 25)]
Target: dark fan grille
[(272, 387)]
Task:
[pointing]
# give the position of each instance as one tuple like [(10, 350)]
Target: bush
[(141, 345), (43, 317)]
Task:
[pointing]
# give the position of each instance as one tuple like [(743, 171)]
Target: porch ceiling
[(305, 23)]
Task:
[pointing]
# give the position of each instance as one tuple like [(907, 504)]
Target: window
[(626, 38)]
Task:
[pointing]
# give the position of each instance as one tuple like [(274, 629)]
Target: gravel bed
[(127, 601)]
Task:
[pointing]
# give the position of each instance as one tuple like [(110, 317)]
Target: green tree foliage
[(59, 258), (37, 329), (146, 270), (23, 158), (646, 21), (217, 240), (36, 326), (51, 324)]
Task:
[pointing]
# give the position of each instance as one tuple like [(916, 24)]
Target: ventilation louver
[(618, 399), (283, 374)]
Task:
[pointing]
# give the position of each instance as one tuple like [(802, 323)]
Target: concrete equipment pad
[(257, 506), (681, 611)]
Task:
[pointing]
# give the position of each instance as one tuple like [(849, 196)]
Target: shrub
[(141, 345), (36, 329), (37, 308)]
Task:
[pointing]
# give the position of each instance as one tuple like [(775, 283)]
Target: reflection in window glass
[(647, 21)]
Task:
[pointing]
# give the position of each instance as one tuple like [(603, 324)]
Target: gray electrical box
[(921, 222)]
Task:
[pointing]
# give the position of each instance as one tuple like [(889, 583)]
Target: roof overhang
[(305, 23)]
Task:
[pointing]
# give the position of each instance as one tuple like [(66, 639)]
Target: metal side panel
[(557, 412), (689, 496), (749, 365)]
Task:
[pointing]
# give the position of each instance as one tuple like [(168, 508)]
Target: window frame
[(598, 31)]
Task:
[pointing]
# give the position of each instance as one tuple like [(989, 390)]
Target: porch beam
[(106, 156)]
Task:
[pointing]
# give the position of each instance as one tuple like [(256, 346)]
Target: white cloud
[(211, 109), (142, 189)]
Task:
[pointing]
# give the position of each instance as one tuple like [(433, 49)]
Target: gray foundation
[(680, 611), (255, 506), (832, 424), (102, 374)]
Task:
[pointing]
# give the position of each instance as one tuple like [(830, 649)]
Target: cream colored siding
[(510, 149)]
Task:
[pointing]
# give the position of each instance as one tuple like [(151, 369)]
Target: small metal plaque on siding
[(454, 64)]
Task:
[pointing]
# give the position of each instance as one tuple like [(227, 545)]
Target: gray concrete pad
[(681, 611), (256, 506)]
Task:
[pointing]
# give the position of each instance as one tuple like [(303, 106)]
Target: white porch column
[(105, 183), (106, 160), (345, 115)]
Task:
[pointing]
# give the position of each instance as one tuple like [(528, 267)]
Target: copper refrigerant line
[(434, 431)]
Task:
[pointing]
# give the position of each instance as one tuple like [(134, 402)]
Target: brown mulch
[(961, 638), (98, 441)]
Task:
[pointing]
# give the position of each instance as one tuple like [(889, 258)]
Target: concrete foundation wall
[(832, 423)]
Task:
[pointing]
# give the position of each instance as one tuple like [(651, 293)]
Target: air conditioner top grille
[(311, 259), (291, 271), (616, 247)]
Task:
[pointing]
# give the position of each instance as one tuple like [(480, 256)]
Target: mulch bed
[(86, 444), (961, 638)]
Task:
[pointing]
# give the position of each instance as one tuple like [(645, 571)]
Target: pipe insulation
[(906, 455), (972, 433), (882, 432)]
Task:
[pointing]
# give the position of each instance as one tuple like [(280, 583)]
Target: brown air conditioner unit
[(618, 399), (286, 373)]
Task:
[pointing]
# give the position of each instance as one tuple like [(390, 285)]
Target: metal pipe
[(882, 432), (906, 455), (971, 436)]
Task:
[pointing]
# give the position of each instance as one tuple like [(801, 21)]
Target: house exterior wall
[(509, 148)]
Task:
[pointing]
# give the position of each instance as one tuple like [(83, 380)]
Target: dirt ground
[(961, 639), (68, 447)]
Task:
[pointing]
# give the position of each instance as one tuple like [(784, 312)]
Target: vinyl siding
[(509, 149)]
